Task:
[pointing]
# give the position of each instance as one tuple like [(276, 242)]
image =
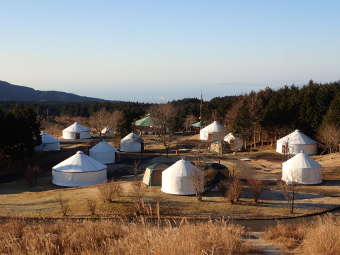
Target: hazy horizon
[(155, 51)]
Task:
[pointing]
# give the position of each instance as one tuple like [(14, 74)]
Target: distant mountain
[(10, 92)]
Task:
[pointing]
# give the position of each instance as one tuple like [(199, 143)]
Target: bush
[(110, 191), (64, 206), (323, 239), (256, 187), (92, 206), (320, 237), (234, 191)]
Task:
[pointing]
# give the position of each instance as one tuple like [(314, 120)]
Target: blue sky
[(161, 50)]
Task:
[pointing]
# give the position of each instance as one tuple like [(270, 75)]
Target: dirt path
[(254, 239)]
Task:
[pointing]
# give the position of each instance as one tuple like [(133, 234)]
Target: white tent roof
[(132, 136), (181, 168), (77, 128), (214, 127), (229, 137), (301, 160), (297, 137), (105, 130), (103, 147), (79, 162), (46, 138)]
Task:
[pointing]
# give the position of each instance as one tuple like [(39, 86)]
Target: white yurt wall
[(131, 143), (297, 142), (48, 143), (76, 131), (103, 152), (234, 142), (214, 131), (178, 179), (301, 169), (79, 170)]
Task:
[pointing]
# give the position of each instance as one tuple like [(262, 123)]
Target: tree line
[(19, 133), (257, 117)]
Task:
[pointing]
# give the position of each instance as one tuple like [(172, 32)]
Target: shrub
[(323, 239), (320, 237), (234, 191), (110, 191), (256, 187), (92, 206), (64, 206)]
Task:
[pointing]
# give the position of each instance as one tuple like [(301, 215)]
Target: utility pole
[(201, 104), (200, 143)]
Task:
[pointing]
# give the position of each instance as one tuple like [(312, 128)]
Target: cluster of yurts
[(179, 178)]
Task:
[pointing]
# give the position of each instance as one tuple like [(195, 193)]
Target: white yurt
[(213, 132), (179, 178), (296, 142), (301, 169), (48, 143), (103, 152), (234, 142), (132, 143), (105, 131), (76, 131), (79, 170)]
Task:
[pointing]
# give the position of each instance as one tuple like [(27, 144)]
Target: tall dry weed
[(110, 191), (121, 238), (323, 239)]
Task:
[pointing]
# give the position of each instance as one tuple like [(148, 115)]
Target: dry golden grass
[(18, 199), (288, 234), (320, 237), (121, 238), (323, 239)]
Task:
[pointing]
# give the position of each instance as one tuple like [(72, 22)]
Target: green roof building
[(197, 124), (144, 122)]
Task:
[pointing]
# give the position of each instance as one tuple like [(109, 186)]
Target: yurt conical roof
[(76, 127), (79, 162), (144, 122), (132, 136), (181, 168), (229, 137), (214, 127), (46, 138), (103, 147), (197, 124), (296, 137), (301, 160)]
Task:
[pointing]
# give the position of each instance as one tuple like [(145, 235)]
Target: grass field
[(19, 199)]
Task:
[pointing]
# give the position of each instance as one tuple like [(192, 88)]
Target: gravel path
[(254, 239)]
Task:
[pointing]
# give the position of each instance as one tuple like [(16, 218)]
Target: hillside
[(10, 92)]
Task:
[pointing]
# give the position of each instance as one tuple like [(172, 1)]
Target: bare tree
[(110, 191), (64, 205), (198, 184), (231, 114), (329, 135), (234, 191), (256, 186), (189, 120), (31, 174), (105, 119), (92, 205), (288, 191), (162, 117), (136, 167)]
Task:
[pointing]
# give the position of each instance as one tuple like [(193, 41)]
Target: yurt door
[(77, 135)]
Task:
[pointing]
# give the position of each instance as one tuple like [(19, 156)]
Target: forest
[(256, 116)]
